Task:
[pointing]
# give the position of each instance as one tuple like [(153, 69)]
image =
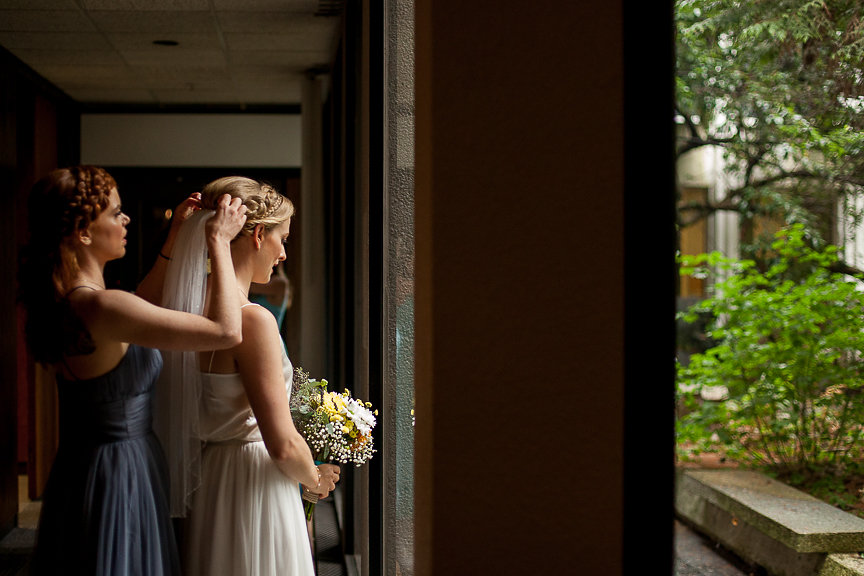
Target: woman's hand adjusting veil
[(186, 208)]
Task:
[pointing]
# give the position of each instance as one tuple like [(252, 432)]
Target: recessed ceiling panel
[(232, 52)]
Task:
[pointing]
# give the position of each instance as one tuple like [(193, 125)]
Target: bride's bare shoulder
[(257, 319)]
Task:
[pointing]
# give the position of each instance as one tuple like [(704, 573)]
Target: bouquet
[(337, 427)]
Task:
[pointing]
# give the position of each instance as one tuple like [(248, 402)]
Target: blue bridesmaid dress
[(105, 506)]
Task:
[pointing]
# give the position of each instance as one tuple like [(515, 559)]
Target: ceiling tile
[(45, 21), (110, 83), (283, 58), (39, 5), (187, 41), (85, 74), (197, 96), (309, 6), (182, 85), (43, 59), (282, 22), (53, 40), (145, 5), (265, 76), (178, 58), (115, 96), (153, 22), (237, 51), (289, 94), (181, 74), (301, 42)]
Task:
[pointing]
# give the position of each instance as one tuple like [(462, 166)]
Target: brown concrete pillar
[(523, 170)]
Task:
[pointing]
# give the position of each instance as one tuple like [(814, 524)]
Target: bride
[(245, 515)]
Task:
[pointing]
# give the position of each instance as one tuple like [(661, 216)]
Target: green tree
[(787, 352), (779, 86)]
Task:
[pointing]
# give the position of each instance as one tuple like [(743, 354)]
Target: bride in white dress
[(242, 493)]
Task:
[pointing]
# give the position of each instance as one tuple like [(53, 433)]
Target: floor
[(695, 555), (329, 556), (15, 548)]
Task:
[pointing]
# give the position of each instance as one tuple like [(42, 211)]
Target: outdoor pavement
[(696, 555)]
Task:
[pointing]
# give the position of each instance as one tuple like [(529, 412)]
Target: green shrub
[(788, 338)]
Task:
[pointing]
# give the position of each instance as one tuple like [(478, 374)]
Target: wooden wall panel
[(8, 328), (39, 129)]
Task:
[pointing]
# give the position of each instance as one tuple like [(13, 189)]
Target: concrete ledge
[(842, 565), (768, 523)]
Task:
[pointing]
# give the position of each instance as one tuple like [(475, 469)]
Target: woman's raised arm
[(121, 316)]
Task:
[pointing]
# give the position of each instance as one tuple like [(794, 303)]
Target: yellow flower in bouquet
[(337, 427)]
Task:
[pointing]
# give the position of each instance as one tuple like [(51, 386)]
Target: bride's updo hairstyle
[(61, 205), (264, 205)]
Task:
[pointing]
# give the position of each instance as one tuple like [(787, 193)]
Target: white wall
[(703, 167), (192, 140), (850, 232)]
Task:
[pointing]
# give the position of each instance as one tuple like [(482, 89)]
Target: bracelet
[(319, 481), (163, 256)]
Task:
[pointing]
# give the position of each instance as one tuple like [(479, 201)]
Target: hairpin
[(276, 205)]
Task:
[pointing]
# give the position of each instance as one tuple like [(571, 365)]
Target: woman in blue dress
[(105, 506)]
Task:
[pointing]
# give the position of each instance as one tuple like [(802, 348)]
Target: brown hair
[(60, 205)]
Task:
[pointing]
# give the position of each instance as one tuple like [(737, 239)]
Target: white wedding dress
[(246, 517)]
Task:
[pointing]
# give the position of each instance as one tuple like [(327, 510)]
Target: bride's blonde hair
[(264, 205)]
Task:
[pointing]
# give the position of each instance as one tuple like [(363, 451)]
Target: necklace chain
[(92, 284)]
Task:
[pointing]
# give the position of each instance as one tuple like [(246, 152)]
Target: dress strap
[(213, 353)]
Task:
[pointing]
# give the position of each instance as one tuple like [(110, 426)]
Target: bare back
[(107, 353)]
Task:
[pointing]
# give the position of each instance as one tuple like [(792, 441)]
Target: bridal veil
[(178, 391)]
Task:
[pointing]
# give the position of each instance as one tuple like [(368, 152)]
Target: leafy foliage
[(788, 340), (779, 87)]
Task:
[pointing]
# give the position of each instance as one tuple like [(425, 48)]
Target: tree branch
[(733, 198), (698, 142), (843, 268)]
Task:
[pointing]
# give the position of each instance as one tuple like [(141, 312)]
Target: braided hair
[(61, 205), (264, 205)]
